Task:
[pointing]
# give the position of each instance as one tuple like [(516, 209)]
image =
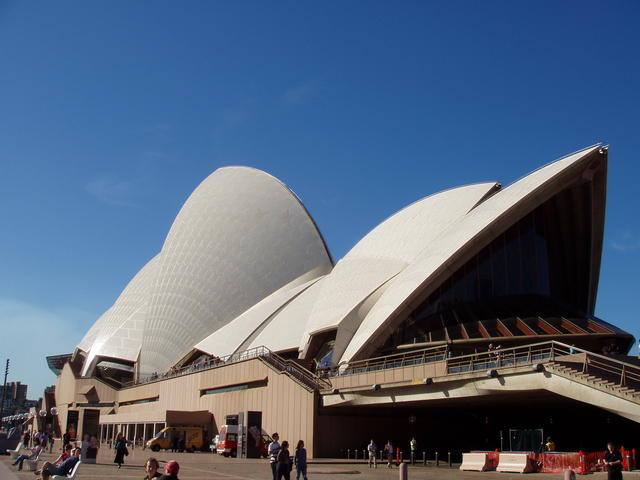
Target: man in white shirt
[(372, 448), (274, 448)]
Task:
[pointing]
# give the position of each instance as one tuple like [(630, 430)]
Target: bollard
[(348, 454), (401, 456), (403, 472), (355, 453), (364, 454), (449, 459), (437, 461), (397, 456), (424, 458), (381, 453)]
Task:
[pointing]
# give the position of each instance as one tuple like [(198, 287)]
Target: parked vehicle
[(193, 438), (227, 444)]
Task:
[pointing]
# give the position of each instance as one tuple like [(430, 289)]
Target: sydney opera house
[(470, 310)]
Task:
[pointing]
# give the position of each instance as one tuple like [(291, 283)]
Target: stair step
[(627, 390)]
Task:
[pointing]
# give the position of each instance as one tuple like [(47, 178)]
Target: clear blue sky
[(111, 113)]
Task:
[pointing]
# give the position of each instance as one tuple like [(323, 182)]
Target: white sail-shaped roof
[(384, 252), (241, 236), (118, 332), (495, 213), (231, 337)]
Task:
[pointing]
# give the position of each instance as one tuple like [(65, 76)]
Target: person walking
[(272, 450), (284, 462), (613, 462), (121, 449), (413, 446), (388, 448), (301, 460), (372, 448)]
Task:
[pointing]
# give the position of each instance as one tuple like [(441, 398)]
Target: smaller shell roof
[(387, 250), (118, 332)]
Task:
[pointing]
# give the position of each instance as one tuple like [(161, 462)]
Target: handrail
[(522, 355), (296, 371), (395, 360), (260, 352)]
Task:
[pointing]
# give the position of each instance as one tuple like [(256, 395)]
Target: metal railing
[(605, 367), (608, 368), (501, 358), (296, 371), (397, 360), (206, 364)]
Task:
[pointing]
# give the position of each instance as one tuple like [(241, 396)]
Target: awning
[(184, 417)]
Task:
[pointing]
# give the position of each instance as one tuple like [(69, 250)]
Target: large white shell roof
[(524, 194), (240, 236)]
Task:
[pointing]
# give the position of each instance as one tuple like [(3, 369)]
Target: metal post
[(364, 454), (424, 458), (437, 461), (348, 454), (355, 453), (4, 390), (449, 459)]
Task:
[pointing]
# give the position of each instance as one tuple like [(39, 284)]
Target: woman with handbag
[(121, 450), (285, 465)]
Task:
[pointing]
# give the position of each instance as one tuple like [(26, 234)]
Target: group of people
[(42, 437), (389, 453), (282, 462), (152, 470), (70, 455)]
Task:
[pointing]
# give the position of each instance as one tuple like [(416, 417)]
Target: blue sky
[(111, 113)]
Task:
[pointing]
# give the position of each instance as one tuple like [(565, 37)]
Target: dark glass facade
[(537, 268)]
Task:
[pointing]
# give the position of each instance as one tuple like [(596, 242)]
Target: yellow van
[(170, 437)]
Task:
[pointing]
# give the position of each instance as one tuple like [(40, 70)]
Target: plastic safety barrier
[(477, 462), (515, 462), (553, 462)]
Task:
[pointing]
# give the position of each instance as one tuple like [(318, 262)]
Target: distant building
[(16, 391)]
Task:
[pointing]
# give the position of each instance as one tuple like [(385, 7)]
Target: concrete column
[(135, 434)]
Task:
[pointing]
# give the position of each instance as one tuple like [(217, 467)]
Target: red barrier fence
[(555, 462)]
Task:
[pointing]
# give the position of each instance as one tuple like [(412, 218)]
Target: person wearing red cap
[(171, 471)]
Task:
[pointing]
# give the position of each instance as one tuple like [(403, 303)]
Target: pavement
[(211, 466)]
